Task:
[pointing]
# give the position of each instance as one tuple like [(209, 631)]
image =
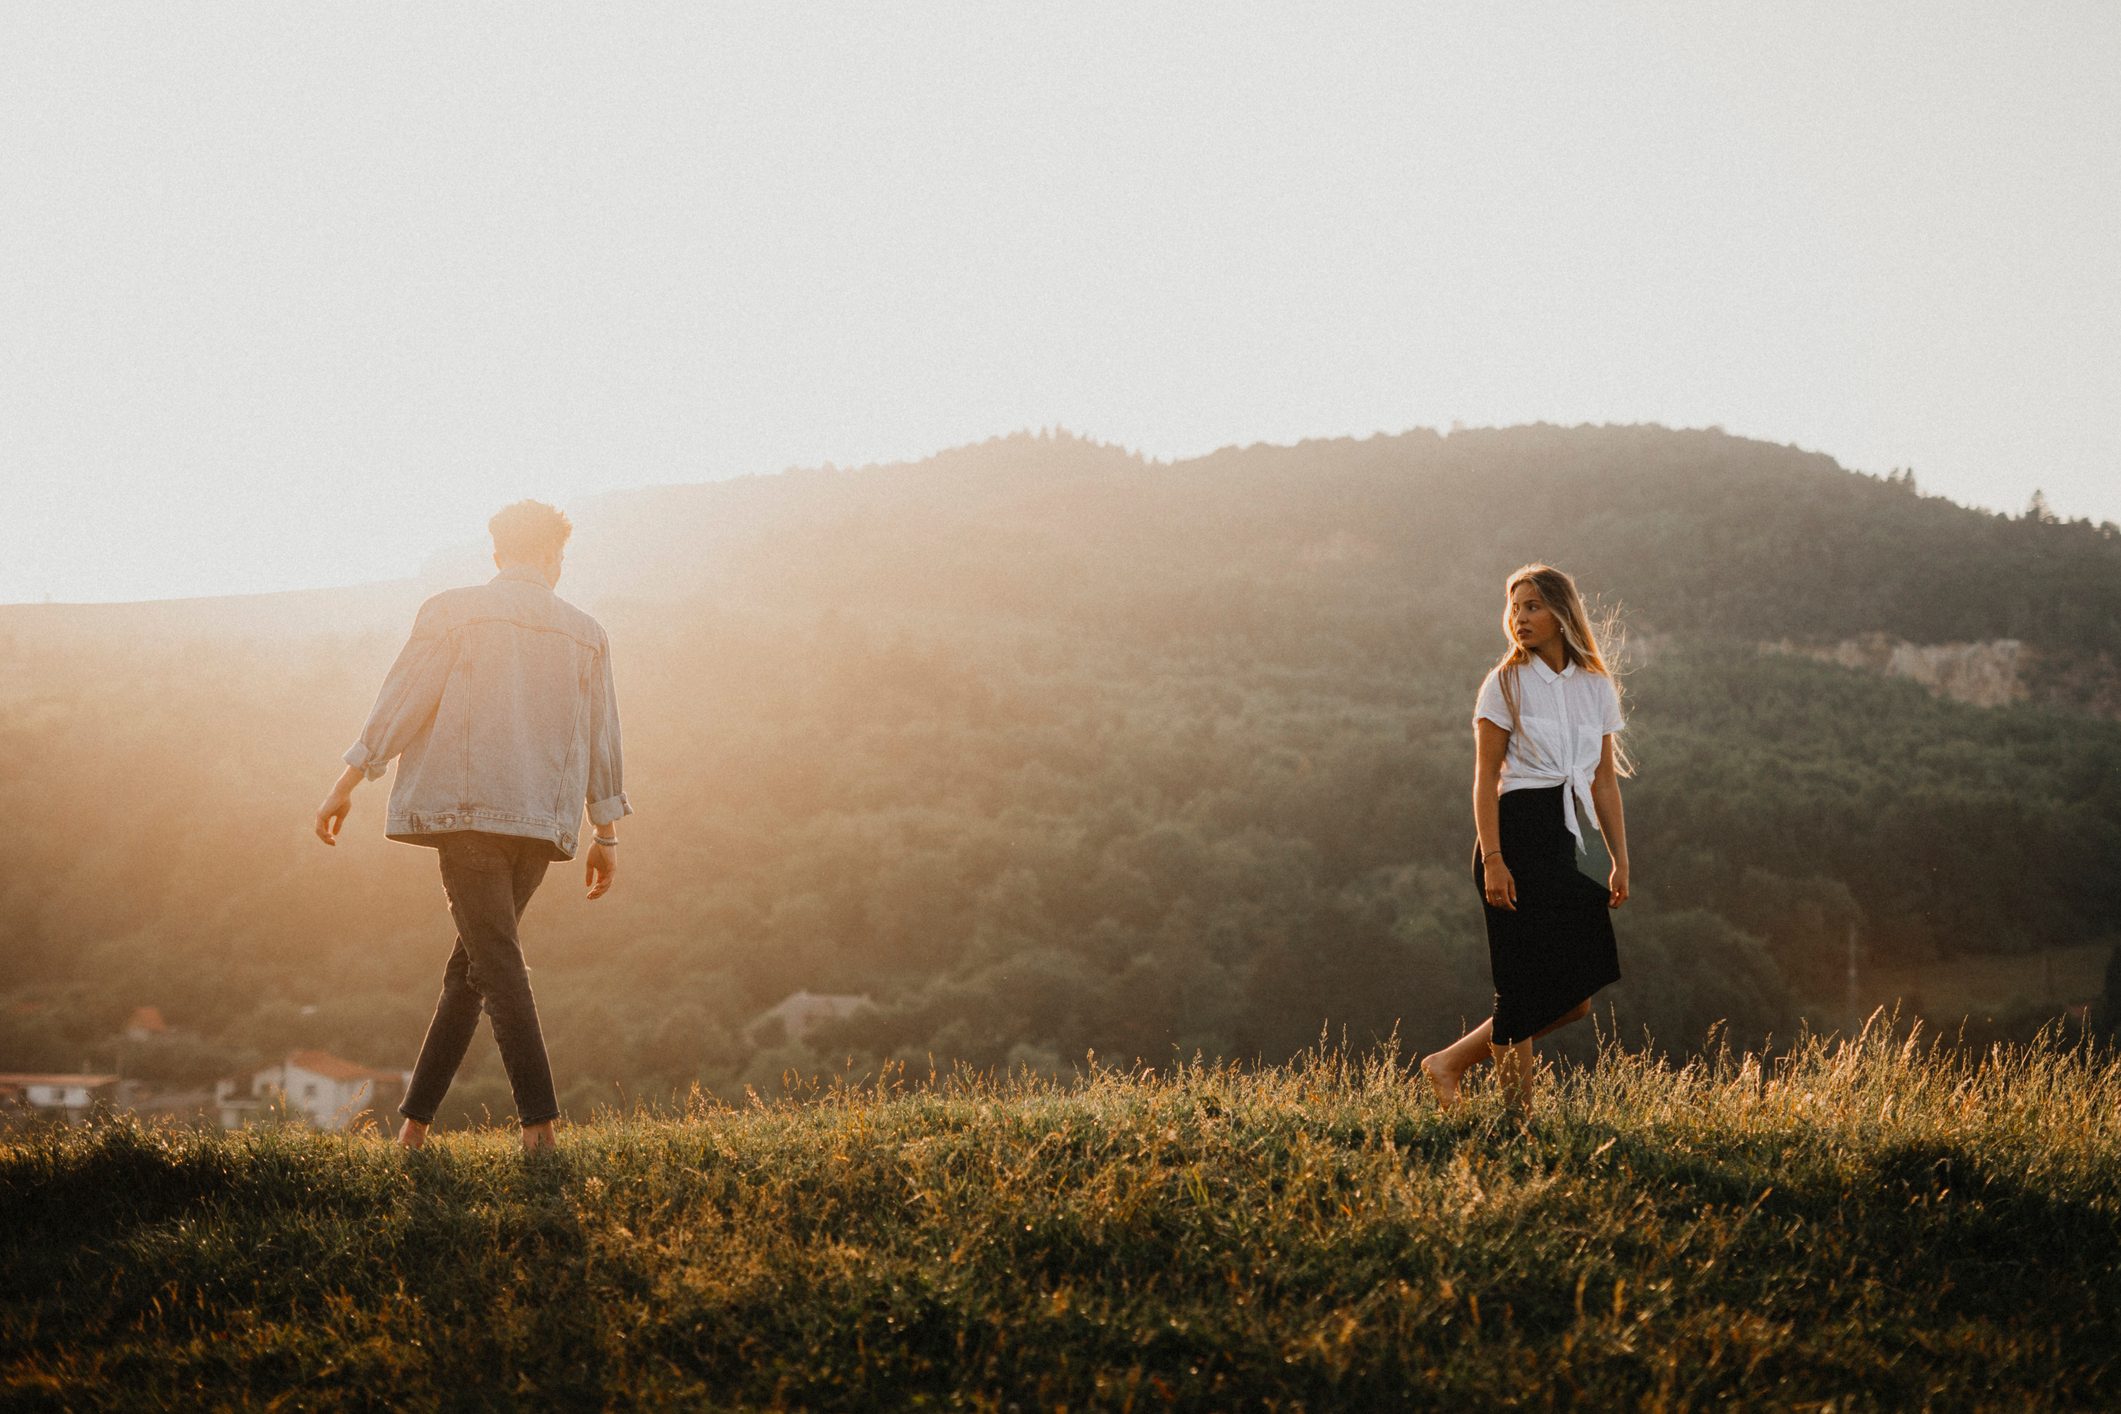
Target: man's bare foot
[(412, 1134), (1442, 1080), (537, 1136)]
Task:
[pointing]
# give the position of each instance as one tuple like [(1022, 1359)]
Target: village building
[(67, 1096), (145, 1024), (324, 1089)]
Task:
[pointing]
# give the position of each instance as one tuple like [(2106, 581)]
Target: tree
[(2109, 1017)]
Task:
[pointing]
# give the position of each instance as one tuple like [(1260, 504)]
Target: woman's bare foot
[(412, 1134), (537, 1136), (1442, 1079)]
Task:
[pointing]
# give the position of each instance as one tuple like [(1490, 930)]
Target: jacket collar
[(1547, 674), (523, 572)]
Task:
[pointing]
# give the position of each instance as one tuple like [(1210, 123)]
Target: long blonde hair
[(1579, 641)]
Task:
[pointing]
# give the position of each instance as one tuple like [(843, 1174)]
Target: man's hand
[(332, 814), (598, 867)]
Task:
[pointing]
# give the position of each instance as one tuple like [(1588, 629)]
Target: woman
[(1544, 726)]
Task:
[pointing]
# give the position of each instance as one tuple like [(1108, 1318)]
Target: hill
[(1697, 531), (1875, 1225), (1045, 749)]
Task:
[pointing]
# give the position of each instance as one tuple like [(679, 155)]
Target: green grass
[(1882, 1224)]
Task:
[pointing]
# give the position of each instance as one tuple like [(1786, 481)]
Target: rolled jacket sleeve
[(410, 694), (607, 777)]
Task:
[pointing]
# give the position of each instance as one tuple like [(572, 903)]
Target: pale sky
[(295, 295)]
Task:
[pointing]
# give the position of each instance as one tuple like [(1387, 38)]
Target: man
[(501, 714)]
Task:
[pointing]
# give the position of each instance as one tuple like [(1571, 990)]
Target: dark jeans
[(489, 880)]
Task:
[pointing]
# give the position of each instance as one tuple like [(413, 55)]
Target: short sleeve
[(1614, 721), (1490, 704)]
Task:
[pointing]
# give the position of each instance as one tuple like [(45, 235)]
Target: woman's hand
[(1619, 885), (1497, 882)]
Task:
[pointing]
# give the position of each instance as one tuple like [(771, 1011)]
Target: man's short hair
[(529, 530)]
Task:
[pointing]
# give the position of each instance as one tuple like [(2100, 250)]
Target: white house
[(803, 1012), (68, 1096), (145, 1024), (317, 1085)]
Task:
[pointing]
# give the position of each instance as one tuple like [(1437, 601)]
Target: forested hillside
[(1048, 749)]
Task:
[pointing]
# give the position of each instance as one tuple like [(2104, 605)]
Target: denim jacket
[(501, 713)]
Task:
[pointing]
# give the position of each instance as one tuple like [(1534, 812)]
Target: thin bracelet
[(608, 844), (1490, 854)]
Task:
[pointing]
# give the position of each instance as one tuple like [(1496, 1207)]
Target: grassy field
[(1881, 1225)]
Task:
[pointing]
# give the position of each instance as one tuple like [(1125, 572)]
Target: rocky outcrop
[(1990, 674)]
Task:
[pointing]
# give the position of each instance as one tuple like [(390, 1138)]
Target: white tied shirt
[(1564, 718)]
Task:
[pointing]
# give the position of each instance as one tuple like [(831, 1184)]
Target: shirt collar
[(526, 573), (1547, 674)]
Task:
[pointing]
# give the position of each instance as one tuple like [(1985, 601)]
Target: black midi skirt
[(1556, 947)]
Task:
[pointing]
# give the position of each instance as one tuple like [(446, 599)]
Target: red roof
[(331, 1067)]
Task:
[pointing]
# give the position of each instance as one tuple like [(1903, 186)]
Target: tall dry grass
[(1883, 1222)]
